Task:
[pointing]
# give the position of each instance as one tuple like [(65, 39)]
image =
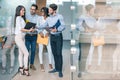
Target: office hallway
[(39, 75)]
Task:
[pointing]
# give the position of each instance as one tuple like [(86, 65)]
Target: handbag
[(42, 40), (97, 41)]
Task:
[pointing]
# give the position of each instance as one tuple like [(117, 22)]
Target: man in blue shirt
[(30, 38), (56, 38)]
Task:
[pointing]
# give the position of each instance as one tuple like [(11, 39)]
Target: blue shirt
[(89, 20), (51, 21), (33, 19)]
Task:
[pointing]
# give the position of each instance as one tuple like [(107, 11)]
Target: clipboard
[(29, 25)]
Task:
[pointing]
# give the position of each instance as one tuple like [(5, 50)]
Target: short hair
[(53, 6), (35, 6), (89, 7)]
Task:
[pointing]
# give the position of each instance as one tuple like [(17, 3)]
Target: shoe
[(42, 68), (60, 74), (32, 67), (53, 71), (26, 72), (50, 66), (20, 69)]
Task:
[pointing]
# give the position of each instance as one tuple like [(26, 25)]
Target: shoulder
[(59, 15), (18, 18), (82, 17)]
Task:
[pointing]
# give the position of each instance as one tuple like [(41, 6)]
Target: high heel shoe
[(50, 66), (20, 69), (26, 72), (42, 68)]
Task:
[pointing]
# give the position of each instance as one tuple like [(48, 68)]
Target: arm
[(20, 25), (27, 30), (79, 24), (62, 26)]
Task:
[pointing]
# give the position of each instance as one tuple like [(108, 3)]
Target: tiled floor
[(38, 75), (104, 72)]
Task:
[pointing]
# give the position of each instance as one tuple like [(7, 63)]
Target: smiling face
[(33, 10), (51, 11), (42, 13), (22, 12)]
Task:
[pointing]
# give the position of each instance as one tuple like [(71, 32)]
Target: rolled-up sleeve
[(62, 26)]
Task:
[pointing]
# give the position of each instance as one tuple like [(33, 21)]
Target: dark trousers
[(30, 42), (56, 46)]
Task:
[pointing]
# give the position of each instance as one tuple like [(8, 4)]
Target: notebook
[(29, 25)]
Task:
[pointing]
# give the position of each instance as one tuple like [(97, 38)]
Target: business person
[(44, 33), (30, 38), (19, 39), (56, 38)]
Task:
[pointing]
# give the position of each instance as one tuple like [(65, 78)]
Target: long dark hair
[(45, 10), (17, 13)]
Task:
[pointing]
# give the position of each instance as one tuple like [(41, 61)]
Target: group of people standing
[(26, 39)]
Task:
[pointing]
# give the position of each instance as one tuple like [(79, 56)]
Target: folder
[(57, 24), (41, 40), (29, 25)]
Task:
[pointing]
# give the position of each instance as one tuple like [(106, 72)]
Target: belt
[(56, 34), (31, 34)]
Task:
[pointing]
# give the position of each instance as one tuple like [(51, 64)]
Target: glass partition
[(92, 32), (8, 56), (94, 51)]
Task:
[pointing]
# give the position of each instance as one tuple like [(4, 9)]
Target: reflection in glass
[(8, 60)]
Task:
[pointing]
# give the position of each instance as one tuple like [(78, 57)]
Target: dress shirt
[(51, 21)]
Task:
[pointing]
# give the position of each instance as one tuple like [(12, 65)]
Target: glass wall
[(93, 32), (7, 12), (94, 37)]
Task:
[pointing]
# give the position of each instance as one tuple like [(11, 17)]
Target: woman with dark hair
[(44, 33), (19, 39)]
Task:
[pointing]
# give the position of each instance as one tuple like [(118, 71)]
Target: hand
[(41, 34), (47, 29), (31, 29), (53, 30), (47, 34)]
